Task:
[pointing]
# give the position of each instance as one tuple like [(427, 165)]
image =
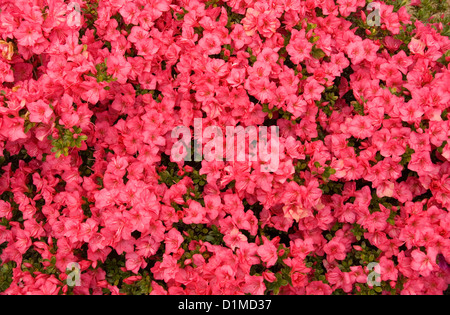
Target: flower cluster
[(91, 91)]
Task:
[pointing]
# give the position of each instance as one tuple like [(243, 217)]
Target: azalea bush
[(92, 200)]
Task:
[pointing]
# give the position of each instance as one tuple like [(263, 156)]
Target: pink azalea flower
[(299, 47), (268, 252), (40, 112), (424, 263)]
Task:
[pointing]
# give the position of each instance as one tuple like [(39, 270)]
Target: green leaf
[(317, 53)]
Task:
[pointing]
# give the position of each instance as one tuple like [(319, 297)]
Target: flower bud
[(269, 276)]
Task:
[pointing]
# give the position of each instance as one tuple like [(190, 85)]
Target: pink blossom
[(173, 240), (40, 112), (234, 238), (268, 252), (299, 47)]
